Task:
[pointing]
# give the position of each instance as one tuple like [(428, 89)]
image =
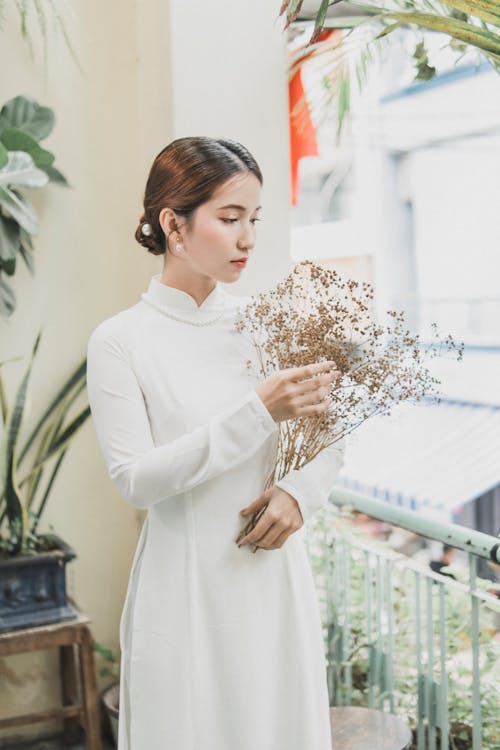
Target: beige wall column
[(229, 80), (110, 122)]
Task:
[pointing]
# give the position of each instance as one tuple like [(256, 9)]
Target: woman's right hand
[(298, 391)]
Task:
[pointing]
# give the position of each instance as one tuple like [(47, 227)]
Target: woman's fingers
[(259, 530), (307, 371), (267, 531), (281, 539), (313, 384), (313, 397), (269, 538), (311, 410)]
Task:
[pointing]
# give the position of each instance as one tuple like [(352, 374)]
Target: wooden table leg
[(89, 690), (73, 726)]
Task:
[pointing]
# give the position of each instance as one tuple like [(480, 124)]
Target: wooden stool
[(357, 728), (63, 635)]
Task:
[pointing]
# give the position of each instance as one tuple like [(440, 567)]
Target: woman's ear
[(165, 218), (168, 223)]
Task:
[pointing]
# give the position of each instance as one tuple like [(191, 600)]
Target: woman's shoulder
[(118, 331)]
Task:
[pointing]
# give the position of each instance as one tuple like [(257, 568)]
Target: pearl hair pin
[(147, 229)]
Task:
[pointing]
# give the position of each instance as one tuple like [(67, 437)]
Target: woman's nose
[(247, 239)]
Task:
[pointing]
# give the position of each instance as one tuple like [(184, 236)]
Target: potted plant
[(23, 164), (32, 565), (110, 696)]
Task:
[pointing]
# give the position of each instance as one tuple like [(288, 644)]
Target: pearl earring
[(178, 247)]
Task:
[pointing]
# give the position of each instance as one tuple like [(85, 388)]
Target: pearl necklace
[(184, 320)]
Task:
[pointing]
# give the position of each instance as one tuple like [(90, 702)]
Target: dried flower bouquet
[(315, 315)]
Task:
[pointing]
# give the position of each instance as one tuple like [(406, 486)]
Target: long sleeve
[(312, 484), (144, 473)]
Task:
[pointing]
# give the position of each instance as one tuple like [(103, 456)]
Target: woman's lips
[(240, 263)]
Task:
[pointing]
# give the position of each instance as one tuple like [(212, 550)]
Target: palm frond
[(42, 23), (485, 11), (36, 8), (467, 23)]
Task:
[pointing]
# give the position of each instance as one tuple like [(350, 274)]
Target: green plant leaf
[(3, 396), (19, 209), (424, 71), (4, 158), (10, 241), (26, 251), (56, 176), (465, 32), (15, 140), (104, 651), (64, 439), (26, 114), (343, 102), (46, 494), (479, 8), (347, 22), (51, 439), (44, 443), (74, 381), (7, 299), (21, 171), (16, 512)]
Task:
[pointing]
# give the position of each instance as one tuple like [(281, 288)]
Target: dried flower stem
[(316, 315)]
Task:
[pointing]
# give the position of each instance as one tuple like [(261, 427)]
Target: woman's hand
[(298, 391), (280, 519)]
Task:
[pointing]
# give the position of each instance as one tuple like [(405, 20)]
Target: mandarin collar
[(172, 298)]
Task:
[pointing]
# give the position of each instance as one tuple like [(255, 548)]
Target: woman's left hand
[(281, 518)]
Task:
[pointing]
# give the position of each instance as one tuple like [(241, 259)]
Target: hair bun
[(145, 236)]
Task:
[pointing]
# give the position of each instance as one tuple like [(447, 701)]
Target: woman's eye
[(231, 221)]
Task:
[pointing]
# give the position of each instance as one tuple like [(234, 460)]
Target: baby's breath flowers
[(316, 315)]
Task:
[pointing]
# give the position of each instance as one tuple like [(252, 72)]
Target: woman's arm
[(144, 473), (312, 484)]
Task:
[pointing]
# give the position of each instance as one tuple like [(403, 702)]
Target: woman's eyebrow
[(238, 207)]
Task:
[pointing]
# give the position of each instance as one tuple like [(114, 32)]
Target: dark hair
[(184, 175)]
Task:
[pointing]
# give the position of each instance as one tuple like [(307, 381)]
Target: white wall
[(456, 198)]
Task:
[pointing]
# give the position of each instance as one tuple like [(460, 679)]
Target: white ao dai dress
[(221, 648)]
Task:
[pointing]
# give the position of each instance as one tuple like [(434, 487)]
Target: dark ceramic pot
[(33, 587), (111, 701)]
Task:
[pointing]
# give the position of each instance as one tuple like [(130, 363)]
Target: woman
[(222, 649)]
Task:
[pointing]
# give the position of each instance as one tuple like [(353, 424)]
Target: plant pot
[(111, 700), (33, 587)]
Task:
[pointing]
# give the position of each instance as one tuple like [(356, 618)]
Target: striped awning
[(431, 457)]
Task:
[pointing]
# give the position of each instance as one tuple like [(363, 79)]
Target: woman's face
[(223, 229)]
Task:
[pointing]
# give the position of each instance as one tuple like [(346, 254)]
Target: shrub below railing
[(400, 637)]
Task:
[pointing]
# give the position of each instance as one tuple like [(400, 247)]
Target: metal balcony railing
[(405, 639)]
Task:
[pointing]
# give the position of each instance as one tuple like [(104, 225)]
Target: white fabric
[(221, 648)]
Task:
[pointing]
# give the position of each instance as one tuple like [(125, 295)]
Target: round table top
[(359, 728)]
